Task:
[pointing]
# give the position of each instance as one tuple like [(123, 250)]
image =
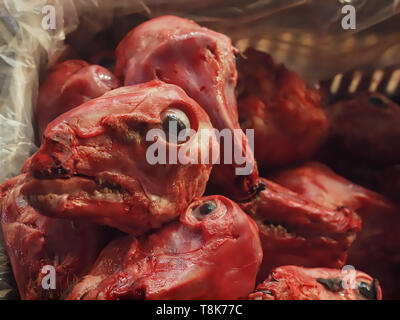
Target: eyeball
[(204, 209), (173, 122), (369, 291), (377, 102)]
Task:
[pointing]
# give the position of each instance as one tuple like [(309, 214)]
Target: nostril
[(58, 170), (256, 189), (158, 74), (44, 166)]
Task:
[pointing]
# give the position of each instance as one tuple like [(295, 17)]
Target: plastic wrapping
[(304, 34)]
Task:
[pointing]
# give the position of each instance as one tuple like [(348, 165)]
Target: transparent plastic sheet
[(304, 34)]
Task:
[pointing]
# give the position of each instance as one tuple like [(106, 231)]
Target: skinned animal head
[(35, 242), (94, 162), (377, 245), (298, 283), (212, 252), (68, 85), (295, 230), (201, 62), (286, 114)]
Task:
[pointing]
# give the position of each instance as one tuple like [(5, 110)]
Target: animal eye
[(332, 284), (377, 102), (204, 209), (173, 122), (368, 291)]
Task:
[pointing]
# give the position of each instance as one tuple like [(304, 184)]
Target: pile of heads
[(116, 225)]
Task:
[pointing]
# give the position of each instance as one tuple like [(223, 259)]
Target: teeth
[(105, 191), (110, 196), (100, 182), (109, 190), (51, 200), (46, 197), (97, 193)]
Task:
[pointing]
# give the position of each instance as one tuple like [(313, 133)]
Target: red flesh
[(68, 85), (294, 230), (286, 115), (377, 247), (33, 241), (201, 62), (213, 256), (92, 163), (298, 283), (366, 128)]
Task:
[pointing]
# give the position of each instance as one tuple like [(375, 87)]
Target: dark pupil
[(367, 290), (236, 58), (332, 284), (171, 122), (207, 207), (377, 102)]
